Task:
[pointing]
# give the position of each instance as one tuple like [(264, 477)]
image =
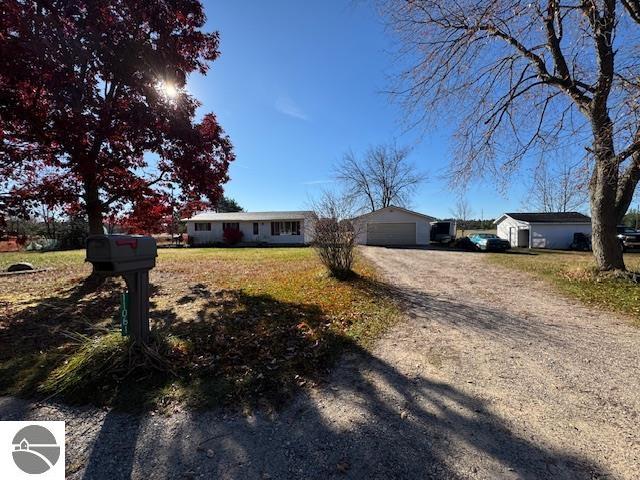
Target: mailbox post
[(131, 256)]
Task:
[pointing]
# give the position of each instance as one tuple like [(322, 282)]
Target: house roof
[(248, 216), (393, 207), (547, 217)]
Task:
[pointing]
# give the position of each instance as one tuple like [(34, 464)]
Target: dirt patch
[(559, 372)]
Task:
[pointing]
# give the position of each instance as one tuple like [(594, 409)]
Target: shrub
[(335, 243), (231, 236), (464, 243)]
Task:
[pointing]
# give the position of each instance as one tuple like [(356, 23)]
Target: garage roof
[(393, 207), (547, 217)]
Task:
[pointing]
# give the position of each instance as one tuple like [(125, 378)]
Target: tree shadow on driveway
[(370, 421)]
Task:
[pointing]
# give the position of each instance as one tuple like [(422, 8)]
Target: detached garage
[(542, 230), (393, 226)]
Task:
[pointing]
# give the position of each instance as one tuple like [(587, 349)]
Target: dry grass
[(574, 273), (236, 326)]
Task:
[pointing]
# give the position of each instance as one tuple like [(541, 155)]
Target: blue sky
[(300, 83)]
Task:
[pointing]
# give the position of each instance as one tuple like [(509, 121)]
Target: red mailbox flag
[(131, 242)]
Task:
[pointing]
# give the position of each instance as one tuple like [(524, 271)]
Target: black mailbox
[(131, 256), (117, 254)]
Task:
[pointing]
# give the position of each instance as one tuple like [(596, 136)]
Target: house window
[(230, 226), (255, 228), (285, 228), (201, 227)]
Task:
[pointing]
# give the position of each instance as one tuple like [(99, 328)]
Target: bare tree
[(462, 213), (520, 77), (335, 233), (383, 177), (559, 187)]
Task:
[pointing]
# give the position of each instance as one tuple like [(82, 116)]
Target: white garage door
[(391, 233)]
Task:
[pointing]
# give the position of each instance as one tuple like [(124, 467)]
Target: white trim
[(505, 216)]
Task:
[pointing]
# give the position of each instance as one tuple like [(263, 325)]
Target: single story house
[(542, 230), (286, 228), (393, 226)]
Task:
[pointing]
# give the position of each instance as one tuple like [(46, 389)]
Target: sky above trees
[(298, 84)]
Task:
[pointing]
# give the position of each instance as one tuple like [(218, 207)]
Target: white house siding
[(556, 236), (393, 215), (215, 235), (508, 229)]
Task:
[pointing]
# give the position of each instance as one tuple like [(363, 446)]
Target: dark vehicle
[(628, 237), (581, 242), (443, 232), (489, 242)]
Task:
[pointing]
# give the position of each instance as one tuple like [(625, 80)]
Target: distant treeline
[(474, 224), (632, 219)]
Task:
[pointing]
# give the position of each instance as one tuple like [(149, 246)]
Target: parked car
[(628, 237), (581, 242), (489, 241)]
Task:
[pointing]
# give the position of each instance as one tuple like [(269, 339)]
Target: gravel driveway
[(492, 375)]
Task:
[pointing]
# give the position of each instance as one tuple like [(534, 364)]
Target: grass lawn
[(231, 326), (574, 273)]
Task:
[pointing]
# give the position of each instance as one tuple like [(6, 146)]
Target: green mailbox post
[(124, 314), (129, 256)]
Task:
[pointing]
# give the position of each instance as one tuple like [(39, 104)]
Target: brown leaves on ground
[(237, 325)]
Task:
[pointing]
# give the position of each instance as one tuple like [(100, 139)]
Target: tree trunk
[(94, 207), (604, 218)]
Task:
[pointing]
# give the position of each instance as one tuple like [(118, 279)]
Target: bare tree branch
[(383, 177), (512, 75)]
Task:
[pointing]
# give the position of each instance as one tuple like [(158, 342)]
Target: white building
[(285, 228), (542, 230), (393, 226)]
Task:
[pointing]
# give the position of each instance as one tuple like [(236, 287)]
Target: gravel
[(491, 375)]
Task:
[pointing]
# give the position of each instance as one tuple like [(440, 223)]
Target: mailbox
[(131, 256), (116, 254)]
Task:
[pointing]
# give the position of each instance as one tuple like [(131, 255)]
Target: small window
[(275, 228), (255, 228), (230, 226), (202, 227)]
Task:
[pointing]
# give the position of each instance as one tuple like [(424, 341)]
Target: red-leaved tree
[(88, 87), (151, 214)]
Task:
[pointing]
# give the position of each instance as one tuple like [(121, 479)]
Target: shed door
[(391, 233), (523, 238)]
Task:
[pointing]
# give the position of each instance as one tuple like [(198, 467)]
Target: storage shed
[(542, 230), (393, 226)]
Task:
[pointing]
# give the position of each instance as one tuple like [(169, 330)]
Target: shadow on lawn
[(249, 348), (41, 326), (31, 341), (246, 349)]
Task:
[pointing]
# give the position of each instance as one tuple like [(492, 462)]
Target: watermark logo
[(33, 449)]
